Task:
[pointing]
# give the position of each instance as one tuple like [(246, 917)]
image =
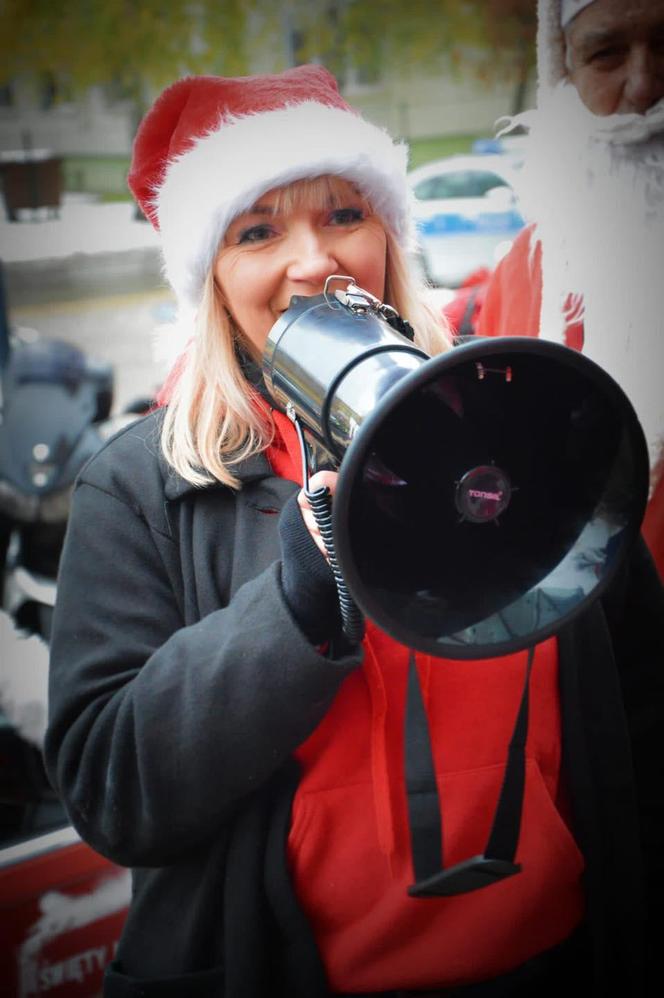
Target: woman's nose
[(644, 85), (311, 257)]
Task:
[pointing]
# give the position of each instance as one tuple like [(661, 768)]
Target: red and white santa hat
[(210, 146)]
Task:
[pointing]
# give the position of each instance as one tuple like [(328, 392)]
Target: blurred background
[(76, 77)]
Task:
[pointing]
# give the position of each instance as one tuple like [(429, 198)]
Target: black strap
[(466, 327), (504, 837), (425, 813), (401, 325)]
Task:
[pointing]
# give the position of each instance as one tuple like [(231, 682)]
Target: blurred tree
[(130, 45), (506, 35), (136, 45), (375, 38)]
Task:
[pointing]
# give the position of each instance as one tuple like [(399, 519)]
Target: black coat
[(180, 686)]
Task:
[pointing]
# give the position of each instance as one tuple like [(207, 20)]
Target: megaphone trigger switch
[(482, 371), (483, 493)]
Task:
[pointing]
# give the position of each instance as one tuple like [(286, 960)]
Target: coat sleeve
[(157, 730)]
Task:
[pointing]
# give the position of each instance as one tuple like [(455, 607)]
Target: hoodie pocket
[(201, 984), (369, 930)]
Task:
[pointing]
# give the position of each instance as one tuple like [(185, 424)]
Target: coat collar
[(175, 487)]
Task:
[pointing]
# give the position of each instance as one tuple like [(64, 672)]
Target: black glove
[(307, 579)]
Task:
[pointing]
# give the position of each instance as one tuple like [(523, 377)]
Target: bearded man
[(589, 271)]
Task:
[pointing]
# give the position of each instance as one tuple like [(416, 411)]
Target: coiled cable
[(320, 501)]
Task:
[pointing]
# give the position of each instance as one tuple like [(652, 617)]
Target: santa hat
[(553, 16), (211, 146)]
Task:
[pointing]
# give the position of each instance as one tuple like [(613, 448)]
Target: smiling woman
[(286, 243)]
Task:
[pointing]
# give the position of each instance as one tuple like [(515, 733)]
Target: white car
[(467, 214)]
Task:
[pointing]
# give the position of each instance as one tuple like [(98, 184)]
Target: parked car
[(467, 214)]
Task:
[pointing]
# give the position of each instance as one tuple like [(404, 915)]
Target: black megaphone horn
[(485, 496)]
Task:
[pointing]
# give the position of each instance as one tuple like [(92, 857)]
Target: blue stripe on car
[(485, 222)]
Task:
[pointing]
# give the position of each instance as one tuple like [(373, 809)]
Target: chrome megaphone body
[(485, 496)]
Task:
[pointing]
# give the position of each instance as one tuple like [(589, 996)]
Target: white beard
[(595, 188)]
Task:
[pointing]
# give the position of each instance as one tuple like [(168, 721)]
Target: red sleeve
[(514, 296)]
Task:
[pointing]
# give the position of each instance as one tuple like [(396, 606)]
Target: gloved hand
[(306, 578)]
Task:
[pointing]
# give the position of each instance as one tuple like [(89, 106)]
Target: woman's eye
[(255, 234), (346, 216)]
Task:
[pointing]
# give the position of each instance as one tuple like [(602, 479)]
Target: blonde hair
[(212, 421)]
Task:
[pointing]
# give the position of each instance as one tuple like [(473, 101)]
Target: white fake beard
[(595, 187)]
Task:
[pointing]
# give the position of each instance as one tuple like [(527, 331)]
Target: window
[(6, 95), (458, 184), (48, 91)]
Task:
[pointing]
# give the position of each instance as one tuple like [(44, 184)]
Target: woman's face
[(271, 253)]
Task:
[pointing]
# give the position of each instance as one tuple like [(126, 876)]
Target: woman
[(210, 727)]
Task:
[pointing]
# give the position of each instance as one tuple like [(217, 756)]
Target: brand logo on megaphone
[(483, 493), (478, 494)]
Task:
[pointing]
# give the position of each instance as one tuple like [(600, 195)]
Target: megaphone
[(485, 496)]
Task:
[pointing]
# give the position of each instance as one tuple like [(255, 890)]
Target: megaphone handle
[(320, 501)]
